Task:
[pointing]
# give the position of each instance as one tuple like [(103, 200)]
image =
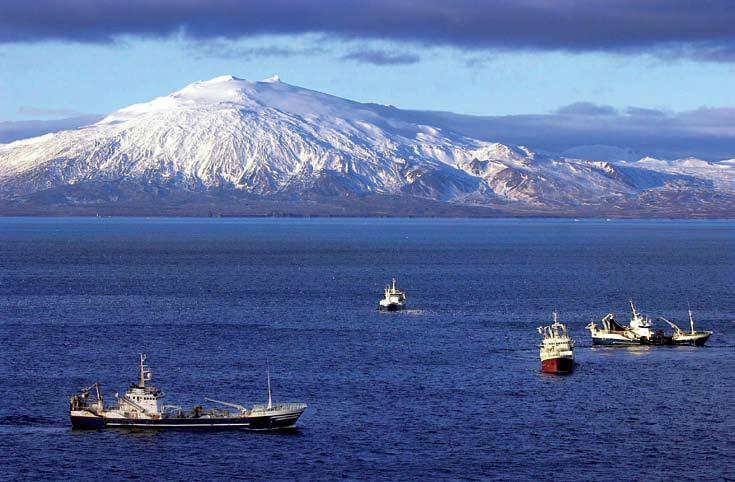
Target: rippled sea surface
[(449, 389)]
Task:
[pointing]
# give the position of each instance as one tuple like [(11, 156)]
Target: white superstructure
[(555, 342), (141, 400), (613, 333), (393, 298), (641, 326)]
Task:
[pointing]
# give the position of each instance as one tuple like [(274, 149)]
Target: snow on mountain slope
[(258, 136), (602, 153), (272, 139), (720, 174)]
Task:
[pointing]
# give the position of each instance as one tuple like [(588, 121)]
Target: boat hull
[(271, 422), (558, 365), (689, 340), (616, 341), (391, 307), (658, 340)]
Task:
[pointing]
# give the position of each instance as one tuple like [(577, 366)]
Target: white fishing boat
[(394, 299), (557, 348), (141, 408), (638, 332), (692, 337)]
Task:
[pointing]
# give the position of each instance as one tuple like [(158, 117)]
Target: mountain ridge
[(270, 142)]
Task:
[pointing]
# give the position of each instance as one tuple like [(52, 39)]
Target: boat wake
[(26, 420), (414, 312)]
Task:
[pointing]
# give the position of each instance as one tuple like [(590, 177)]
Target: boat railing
[(278, 406)]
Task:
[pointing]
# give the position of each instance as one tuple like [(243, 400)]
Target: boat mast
[(632, 307), (100, 403), (270, 398), (691, 320), (142, 371)]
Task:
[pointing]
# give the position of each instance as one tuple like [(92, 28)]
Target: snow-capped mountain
[(269, 141)]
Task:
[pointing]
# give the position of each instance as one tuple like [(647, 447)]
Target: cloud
[(709, 51), (14, 130), (308, 45), (29, 111), (643, 112), (478, 59), (708, 132), (228, 50), (381, 57), (682, 28), (586, 109)]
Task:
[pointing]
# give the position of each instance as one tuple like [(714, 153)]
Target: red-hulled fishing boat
[(557, 348)]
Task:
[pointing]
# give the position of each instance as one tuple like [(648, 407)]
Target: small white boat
[(394, 299)]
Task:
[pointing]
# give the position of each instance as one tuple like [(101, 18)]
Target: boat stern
[(697, 339), (383, 306), (559, 365), (85, 420)]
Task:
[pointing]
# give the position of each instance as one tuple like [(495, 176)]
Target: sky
[(611, 64)]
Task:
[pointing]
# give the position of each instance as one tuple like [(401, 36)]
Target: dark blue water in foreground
[(448, 390)]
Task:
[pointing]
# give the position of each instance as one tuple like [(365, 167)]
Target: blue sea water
[(448, 390)]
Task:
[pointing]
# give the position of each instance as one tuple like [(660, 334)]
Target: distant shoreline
[(59, 215)]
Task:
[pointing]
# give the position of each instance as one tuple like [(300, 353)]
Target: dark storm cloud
[(697, 29), (381, 57)]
